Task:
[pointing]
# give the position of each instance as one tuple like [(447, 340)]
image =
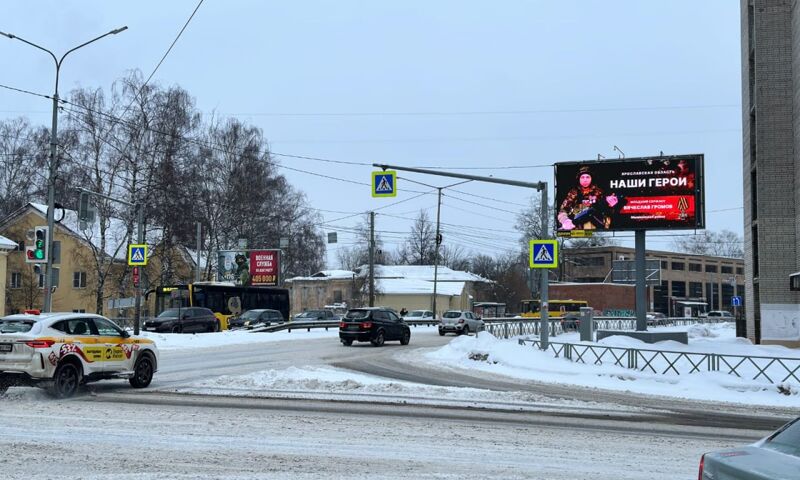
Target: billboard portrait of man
[(630, 194)]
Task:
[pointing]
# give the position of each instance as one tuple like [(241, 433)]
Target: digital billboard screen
[(630, 194)]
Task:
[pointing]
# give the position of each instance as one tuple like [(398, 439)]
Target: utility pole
[(139, 207), (436, 254), (199, 246), (371, 259), (53, 167)]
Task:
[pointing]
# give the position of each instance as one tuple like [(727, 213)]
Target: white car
[(418, 315), (458, 322), (61, 351)]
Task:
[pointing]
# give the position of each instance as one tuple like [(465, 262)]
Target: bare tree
[(420, 246), (721, 244)]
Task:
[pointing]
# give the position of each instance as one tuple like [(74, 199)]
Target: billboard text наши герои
[(630, 194)]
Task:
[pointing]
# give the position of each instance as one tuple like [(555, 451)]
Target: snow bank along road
[(564, 432)]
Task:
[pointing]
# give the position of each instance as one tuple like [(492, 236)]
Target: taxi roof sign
[(137, 255), (384, 183), (543, 253)]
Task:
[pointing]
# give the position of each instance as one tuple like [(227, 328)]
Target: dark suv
[(374, 325), (183, 320)]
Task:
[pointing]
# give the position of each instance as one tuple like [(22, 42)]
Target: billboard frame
[(699, 189)]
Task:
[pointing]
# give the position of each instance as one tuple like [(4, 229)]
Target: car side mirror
[(125, 334)]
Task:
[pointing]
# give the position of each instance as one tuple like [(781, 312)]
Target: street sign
[(736, 301), (543, 254), (137, 255), (135, 276), (624, 271), (384, 183)]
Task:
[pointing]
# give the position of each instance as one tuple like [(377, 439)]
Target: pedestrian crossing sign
[(137, 255), (384, 183), (544, 253)]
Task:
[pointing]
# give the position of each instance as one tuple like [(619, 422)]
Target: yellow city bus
[(224, 299), (556, 308)]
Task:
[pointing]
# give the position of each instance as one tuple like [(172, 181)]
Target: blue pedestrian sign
[(543, 253), (137, 255), (384, 183), (736, 301)]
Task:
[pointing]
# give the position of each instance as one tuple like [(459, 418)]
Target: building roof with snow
[(7, 244)]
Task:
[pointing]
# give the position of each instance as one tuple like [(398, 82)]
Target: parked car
[(373, 324), (460, 322), (315, 316), (775, 457), (183, 320), (656, 319), (720, 314), (418, 315), (258, 317), (61, 351)]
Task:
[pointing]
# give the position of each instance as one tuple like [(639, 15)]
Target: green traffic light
[(39, 254)]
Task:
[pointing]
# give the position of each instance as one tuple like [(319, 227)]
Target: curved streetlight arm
[(55, 60)]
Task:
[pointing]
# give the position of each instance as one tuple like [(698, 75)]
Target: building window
[(78, 279), (16, 280), (79, 310), (711, 268), (695, 267), (337, 296), (726, 269), (664, 264), (678, 266), (588, 261), (695, 289), (739, 271)]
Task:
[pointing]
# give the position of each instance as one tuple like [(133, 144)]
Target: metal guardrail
[(667, 362), (511, 327)]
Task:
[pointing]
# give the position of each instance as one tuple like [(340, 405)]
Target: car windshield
[(452, 314), (414, 313), (15, 326), (170, 312), (787, 441), (251, 314), (305, 315), (353, 314)]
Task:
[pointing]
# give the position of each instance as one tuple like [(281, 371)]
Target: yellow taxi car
[(61, 351)]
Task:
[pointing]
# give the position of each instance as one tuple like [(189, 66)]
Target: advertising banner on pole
[(630, 194), (264, 267), (253, 267)]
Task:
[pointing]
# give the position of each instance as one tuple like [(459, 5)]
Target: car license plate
[(353, 327), (5, 347), (152, 329)]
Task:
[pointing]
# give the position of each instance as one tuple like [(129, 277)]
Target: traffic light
[(37, 253)]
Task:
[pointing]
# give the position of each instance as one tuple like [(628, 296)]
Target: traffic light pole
[(539, 186)]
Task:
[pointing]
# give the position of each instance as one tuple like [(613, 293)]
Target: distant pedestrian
[(403, 312)]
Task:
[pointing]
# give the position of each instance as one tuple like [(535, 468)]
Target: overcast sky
[(454, 84)]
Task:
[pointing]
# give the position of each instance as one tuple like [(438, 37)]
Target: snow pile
[(506, 357)]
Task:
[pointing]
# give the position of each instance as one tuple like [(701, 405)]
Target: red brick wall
[(601, 296)]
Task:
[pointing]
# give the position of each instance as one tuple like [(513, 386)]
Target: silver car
[(418, 315), (458, 322), (775, 457)]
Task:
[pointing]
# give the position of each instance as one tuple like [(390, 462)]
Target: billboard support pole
[(641, 289)]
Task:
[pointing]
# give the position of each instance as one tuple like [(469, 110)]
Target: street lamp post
[(51, 180)]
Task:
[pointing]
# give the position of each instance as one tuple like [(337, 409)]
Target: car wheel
[(441, 333), (466, 330), (65, 381), (406, 338), (4, 384), (379, 339), (347, 342), (142, 373), (177, 329)]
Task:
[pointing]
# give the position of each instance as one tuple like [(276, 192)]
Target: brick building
[(771, 144), (684, 277)]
